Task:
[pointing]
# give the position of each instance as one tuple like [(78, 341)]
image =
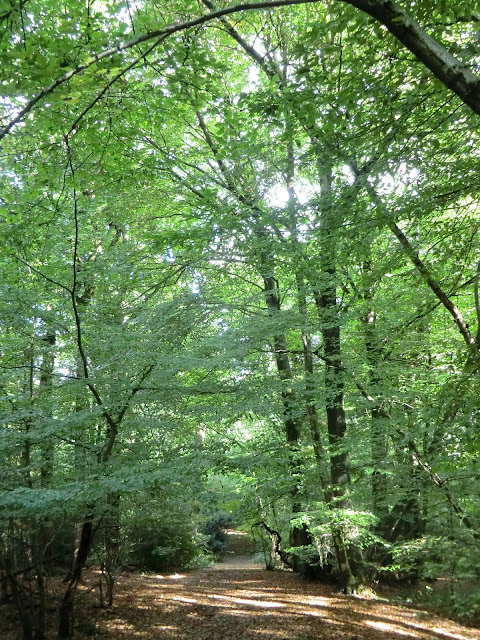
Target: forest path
[(239, 600), (240, 553)]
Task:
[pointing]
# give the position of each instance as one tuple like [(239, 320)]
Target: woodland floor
[(239, 600)]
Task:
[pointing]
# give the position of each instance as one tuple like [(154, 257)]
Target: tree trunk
[(310, 389), (378, 437), (299, 536), (84, 457), (47, 367), (65, 618), (337, 426), (328, 311), (112, 545)]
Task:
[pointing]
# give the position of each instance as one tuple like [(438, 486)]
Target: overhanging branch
[(161, 34), (451, 71)]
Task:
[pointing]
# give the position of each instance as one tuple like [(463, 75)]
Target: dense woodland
[(240, 267)]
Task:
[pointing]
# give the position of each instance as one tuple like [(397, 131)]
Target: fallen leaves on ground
[(238, 600), (251, 603)]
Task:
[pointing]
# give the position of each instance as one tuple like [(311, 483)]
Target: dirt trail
[(240, 553), (238, 600)]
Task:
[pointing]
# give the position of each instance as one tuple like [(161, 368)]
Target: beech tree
[(238, 240)]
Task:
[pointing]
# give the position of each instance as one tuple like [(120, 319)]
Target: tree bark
[(47, 367), (328, 312), (299, 536), (111, 523), (65, 617), (325, 296), (451, 71)]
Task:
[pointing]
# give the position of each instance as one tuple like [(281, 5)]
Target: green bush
[(160, 543), (451, 568), (460, 600), (215, 530)]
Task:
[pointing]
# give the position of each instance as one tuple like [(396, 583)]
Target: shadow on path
[(239, 600)]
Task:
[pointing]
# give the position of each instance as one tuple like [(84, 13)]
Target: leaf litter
[(239, 600)]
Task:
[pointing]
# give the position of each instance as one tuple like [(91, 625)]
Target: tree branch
[(161, 34), (143, 376), (451, 71), (276, 539), (40, 273), (418, 263), (256, 57), (7, 14), (112, 427), (111, 83)]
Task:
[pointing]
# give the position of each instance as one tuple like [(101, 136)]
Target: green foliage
[(202, 267), (459, 600), (215, 529), (434, 556), (160, 540)]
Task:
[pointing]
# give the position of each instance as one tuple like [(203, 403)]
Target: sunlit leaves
[(166, 199)]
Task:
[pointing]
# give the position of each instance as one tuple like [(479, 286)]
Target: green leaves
[(219, 209)]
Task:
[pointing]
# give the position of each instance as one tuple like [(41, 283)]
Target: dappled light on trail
[(232, 601), (410, 630), (237, 599)]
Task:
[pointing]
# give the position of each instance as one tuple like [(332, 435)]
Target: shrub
[(215, 530), (161, 543)]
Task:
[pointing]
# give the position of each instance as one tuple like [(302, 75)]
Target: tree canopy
[(240, 266)]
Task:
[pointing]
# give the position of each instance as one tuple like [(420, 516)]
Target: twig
[(40, 273), (160, 34)]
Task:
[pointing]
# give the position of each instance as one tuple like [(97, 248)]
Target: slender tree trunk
[(46, 372), (65, 617), (378, 437), (299, 536), (310, 389), (337, 426), (328, 311), (111, 522), (22, 604), (40, 542), (404, 520), (82, 459), (30, 601)]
